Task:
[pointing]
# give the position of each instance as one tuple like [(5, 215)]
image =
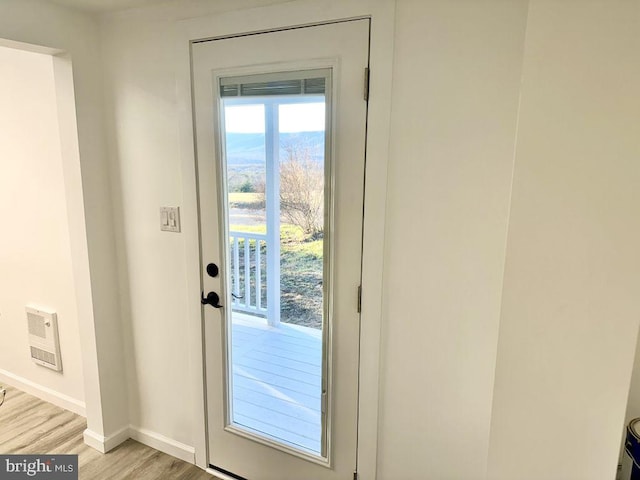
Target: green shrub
[(246, 187)]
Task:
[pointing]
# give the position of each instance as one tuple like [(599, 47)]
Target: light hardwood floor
[(29, 425)]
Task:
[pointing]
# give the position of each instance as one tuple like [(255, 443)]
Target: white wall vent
[(43, 338)]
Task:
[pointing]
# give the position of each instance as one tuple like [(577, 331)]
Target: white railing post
[(247, 272), (236, 269), (242, 303), (258, 274)]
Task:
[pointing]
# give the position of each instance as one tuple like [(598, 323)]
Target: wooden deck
[(277, 376)]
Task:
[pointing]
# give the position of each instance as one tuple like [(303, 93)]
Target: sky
[(297, 117)]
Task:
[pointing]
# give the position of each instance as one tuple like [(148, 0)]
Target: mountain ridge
[(248, 148)]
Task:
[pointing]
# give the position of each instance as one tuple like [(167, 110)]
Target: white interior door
[(280, 136)]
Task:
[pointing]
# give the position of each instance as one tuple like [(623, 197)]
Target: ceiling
[(102, 6)]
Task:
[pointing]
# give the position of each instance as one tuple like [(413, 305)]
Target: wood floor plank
[(29, 425)]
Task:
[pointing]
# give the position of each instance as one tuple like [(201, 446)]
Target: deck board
[(278, 369), (296, 409), (277, 380), (285, 362), (291, 396), (278, 434)]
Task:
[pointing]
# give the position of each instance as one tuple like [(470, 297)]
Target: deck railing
[(248, 272)]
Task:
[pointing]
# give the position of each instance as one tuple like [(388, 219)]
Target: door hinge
[(359, 298), (355, 475), (367, 77)]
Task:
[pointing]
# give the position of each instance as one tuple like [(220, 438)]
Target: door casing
[(273, 18)]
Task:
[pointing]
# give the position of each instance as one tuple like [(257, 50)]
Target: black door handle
[(212, 299)]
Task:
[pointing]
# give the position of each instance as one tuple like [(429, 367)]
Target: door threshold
[(224, 474)]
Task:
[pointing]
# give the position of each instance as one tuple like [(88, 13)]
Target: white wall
[(87, 194), (144, 147), (571, 307), (456, 85), (472, 64), (35, 251), (450, 179)]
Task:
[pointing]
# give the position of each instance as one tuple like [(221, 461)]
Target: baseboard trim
[(95, 440), (164, 444), (105, 444), (45, 393), (144, 436)]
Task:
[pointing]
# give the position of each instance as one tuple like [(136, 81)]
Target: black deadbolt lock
[(212, 270)]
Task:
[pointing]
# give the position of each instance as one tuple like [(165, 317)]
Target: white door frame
[(264, 19)]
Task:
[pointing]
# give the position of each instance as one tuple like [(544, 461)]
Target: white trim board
[(94, 440), (105, 444), (45, 393), (146, 437), (290, 14), (163, 444)]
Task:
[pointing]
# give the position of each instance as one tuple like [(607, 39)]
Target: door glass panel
[(274, 132)]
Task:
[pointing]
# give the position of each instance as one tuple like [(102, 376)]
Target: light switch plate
[(170, 219)]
